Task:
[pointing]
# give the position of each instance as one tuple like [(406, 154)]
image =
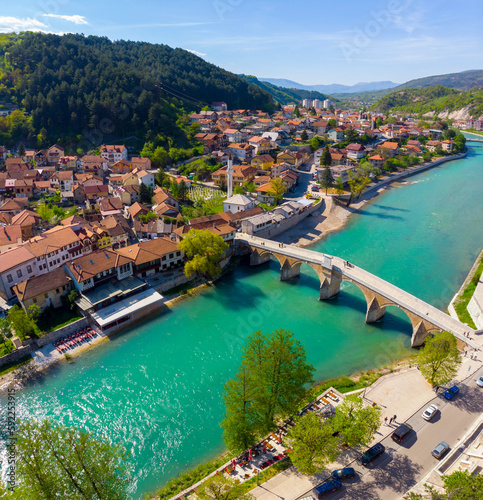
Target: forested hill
[(285, 95), (436, 99), (71, 83), (464, 80)]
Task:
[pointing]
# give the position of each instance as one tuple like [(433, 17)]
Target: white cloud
[(196, 53), (72, 19), (17, 24)]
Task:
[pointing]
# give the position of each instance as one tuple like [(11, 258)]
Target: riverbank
[(308, 232)]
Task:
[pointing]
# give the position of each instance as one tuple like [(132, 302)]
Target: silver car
[(429, 412), (480, 381), (440, 450)]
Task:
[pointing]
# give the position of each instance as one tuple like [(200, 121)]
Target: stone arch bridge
[(378, 293)]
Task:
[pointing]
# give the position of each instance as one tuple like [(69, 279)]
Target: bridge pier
[(419, 334), (256, 258), (329, 284), (374, 311), (289, 271)]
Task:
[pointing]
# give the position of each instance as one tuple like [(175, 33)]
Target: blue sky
[(311, 41)]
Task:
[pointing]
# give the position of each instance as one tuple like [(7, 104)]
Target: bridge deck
[(369, 280)]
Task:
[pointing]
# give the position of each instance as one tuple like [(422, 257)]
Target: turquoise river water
[(157, 388)]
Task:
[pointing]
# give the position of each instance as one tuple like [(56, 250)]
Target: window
[(19, 273), (46, 296), (35, 301), (29, 269), (9, 278)]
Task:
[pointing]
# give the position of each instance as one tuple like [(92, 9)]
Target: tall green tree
[(270, 384), (314, 143), (326, 179), (355, 422), (303, 135), (278, 188), (313, 443), (326, 158), (205, 251), (439, 358), (145, 194), (357, 184), (239, 424), (21, 150), (55, 461)]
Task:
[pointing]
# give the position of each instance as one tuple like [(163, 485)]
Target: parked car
[(440, 450), (372, 453), (315, 188), (400, 432), (430, 412), (346, 473), (451, 393), (326, 487), (480, 381)]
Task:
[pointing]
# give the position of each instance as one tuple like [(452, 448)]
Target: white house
[(113, 154), (146, 178), (238, 203), (16, 265)]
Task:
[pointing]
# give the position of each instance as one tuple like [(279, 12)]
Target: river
[(157, 388)]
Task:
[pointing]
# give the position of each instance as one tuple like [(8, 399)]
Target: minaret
[(229, 172)]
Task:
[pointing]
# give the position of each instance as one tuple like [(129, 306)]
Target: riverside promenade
[(405, 394)]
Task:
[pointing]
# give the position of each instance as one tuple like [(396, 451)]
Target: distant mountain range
[(334, 88), (287, 95)]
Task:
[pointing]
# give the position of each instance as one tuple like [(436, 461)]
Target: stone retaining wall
[(17, 355), (62, 332), (285, 225)]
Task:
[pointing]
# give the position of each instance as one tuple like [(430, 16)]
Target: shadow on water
[(385, 207), (378, 215), (232, 296)]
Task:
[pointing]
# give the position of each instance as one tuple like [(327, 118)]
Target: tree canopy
[(278, 188), (55, 461), (73, 84), (313, 443), (270, 384), (205, 251), (355, 422), (439, 358)]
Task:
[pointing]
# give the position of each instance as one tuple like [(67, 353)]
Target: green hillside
[(464, 80), (74, 85), (287, 96), (436, 98)]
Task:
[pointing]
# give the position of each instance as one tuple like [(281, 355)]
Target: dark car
[(451, 393), (346, 473), (315, 188), (326, 487), (400, 432), (371, 454), (440, 450)]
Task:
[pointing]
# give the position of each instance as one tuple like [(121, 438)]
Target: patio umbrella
[(233, 463), (279, 437), (264, 448), (250, 454)]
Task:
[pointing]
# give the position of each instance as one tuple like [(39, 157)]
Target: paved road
[(402, 466)]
